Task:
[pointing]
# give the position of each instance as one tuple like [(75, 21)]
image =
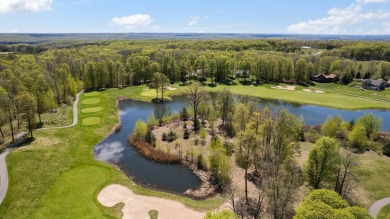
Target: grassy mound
[(91, 121), (92, 109), (91, 101)]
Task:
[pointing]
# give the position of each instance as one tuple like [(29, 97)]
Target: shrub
[(150, 138), (203, 135), (152, 121), (229, 148), (196, 124), (184, 114), (312, 135), (140, 129), (186, 134), (357, 138), (171, 136), (201, 162), (230, 130), (164, 136), (386, 148), (196, 142)]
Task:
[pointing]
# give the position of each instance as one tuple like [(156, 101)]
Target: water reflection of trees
[(160, 110)]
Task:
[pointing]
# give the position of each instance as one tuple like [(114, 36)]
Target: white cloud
[(133, 21), (25, 6), (337, 21), (192, 22), (195, 20), (371, 1)]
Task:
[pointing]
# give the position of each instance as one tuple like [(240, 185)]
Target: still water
[(177, 178)]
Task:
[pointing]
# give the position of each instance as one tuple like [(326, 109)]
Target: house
[(325, 78), (242, 73), (378, 85)]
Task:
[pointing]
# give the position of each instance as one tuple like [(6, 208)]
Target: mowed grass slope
[(57, 176), (384, 213), (335, 96)]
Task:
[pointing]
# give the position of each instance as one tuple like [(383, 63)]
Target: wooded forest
[(38, 77)]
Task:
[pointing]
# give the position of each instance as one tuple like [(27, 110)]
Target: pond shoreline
[(208, 187)]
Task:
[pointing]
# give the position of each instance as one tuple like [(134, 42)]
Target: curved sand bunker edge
[(137, 206)]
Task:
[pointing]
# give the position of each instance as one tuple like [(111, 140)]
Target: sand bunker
[(284, 88), (315, 91), (170, 88), (137, 206)]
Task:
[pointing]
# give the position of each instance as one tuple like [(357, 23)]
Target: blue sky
[(196, 16)]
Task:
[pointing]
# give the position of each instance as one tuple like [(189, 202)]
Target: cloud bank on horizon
[(340, 19), (201, 16)]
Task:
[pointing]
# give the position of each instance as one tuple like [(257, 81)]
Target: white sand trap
[(170, 88), (137, 206), (146, 88), (316, 91), (284, 88)]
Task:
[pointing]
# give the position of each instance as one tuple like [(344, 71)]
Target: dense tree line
[(54, 76)]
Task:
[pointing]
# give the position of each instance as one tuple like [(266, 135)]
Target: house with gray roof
[(377, 85)]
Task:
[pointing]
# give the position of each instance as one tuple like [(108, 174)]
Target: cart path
[(377, 206), (3, 164), (75, 115), (3, 175)]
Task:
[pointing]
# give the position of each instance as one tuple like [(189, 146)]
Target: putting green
[(90, 101), (91, 94), (92, 109), (91, 121)]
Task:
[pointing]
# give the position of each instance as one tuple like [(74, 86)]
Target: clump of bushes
[(229, 148), (171, 136)]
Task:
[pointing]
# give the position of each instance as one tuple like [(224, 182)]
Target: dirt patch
[(284, 87)]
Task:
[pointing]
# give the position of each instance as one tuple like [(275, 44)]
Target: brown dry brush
[(151, 153)]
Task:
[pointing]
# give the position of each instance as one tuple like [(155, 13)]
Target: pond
[(177, 178)]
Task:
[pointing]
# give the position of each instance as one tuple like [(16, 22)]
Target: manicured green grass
[(90, 101), (91, 121), (327, 99), (91, 94), (337, 99), (92, 109), (57, 177), (74, 189), (384, 213)]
